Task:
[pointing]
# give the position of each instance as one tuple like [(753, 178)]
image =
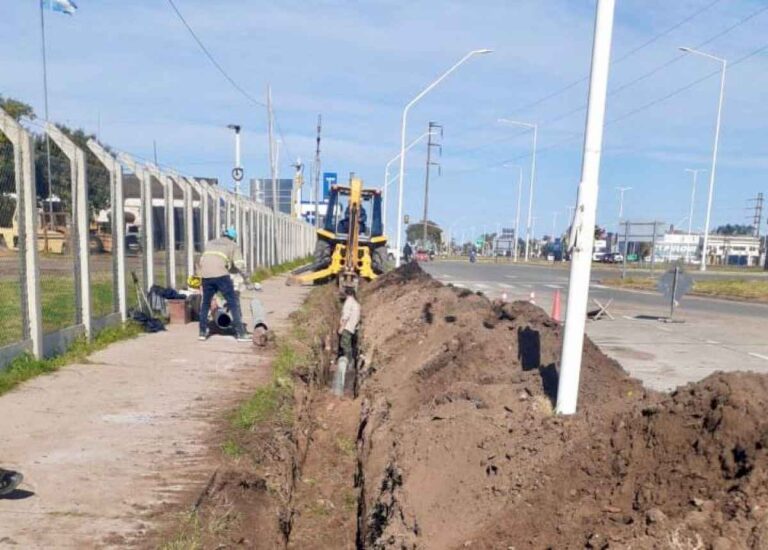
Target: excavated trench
[(452, 442)]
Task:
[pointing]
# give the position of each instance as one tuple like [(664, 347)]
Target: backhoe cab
[(351, 244)]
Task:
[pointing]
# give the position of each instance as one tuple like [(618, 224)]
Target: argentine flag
[(63, 6)]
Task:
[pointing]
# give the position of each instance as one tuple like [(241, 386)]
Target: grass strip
[(25, 366), (264, 273), (733, 289)]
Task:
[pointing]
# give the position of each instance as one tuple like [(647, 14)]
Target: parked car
[(613, 258), (421, 255), (598, 256)]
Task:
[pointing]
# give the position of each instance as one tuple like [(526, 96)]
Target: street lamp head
[(685, 49), (235, 127), (483, 51)]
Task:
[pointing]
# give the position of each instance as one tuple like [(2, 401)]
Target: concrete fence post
[(118, 224), (189, 225), (170, 226), (81, 217), (205, 222), (145, 212), (217, 214), (26, 206)]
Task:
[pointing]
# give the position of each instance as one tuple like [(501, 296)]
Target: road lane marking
[(759, 356), (715, 342), (554, 286), (505, 285)]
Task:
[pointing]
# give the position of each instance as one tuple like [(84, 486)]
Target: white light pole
[(621, 191), (583, 231), (519, 201), (693, 196), (723, 63), (403, 127), (386, 177), (238, 167), (535, 128)]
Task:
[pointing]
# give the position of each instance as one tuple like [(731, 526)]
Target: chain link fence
[(78, 223)]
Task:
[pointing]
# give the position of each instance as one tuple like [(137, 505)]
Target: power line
[(625, 56), (212, 59)]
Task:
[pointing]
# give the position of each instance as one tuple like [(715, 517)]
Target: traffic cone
[(556, 306), (532, 299)]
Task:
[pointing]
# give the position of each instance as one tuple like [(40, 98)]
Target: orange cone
[(556, 306)]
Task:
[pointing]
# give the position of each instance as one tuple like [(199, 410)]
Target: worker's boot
[(9, 480), (204, 335), (242, 334)]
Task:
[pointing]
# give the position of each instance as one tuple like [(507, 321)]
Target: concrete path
[(106, 445), (716, 335)]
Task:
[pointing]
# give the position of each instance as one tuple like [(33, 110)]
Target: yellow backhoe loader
[(349, 245)]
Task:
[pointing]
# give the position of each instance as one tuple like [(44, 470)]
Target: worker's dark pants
[(346, 342), (223, 284)]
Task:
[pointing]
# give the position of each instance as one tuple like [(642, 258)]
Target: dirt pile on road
[(458, 446)]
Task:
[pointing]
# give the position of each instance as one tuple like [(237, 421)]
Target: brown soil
[(459, 446), (453, 442)]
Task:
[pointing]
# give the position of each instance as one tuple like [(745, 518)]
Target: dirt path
[(106, 445)]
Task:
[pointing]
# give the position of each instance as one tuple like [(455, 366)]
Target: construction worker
[(407, 252), (9, 480), (221, 257), (350, 319)]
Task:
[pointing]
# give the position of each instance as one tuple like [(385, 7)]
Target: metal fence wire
[(77, 221), (12, 320)]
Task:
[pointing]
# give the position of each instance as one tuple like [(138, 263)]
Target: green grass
[(57, 302), (263, 273), (735, 289), (25, 366), (271, 402)]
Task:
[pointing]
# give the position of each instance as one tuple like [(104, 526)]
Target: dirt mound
[(458, 446)]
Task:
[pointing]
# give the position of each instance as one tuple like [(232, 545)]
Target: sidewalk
[(106, 445)]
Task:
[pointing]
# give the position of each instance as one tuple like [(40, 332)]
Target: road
[(715, 335)]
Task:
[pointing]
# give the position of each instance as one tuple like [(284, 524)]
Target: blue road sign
[(329, 178)]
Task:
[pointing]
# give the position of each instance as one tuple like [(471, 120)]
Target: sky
[(131, 72)]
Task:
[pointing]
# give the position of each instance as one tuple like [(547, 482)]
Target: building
[(733, 250), (261, 191), (722, 249), (673, 247), (505, 242)]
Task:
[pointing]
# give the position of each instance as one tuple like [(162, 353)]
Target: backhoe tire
[(322, 255), (379, 260)]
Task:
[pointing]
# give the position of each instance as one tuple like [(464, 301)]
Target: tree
[(415, 232), (600, 233), (735, 229)]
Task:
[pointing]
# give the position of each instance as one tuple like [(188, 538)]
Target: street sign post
[(674, 284), (329, 179)]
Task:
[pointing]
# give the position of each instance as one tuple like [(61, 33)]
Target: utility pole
[(316, 175), (757, 215), (272, 167), (584, 224), (430, 144)]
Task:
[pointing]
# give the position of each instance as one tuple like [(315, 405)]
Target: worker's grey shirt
[(219, 257)]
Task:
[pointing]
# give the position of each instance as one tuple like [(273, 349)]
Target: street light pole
[(517, 212), (621, 191), (387, 182), (238, 166), (693, 196), (535, 128), (583, 231), (403, 127), (724, 64)]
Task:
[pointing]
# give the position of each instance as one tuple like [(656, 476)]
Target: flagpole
[(47, 139)]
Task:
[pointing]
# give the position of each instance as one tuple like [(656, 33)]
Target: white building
[(673, 247), (733, 250), (722, 249)]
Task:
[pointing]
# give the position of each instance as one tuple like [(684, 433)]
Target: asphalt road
[(714, 335), (519, 280)]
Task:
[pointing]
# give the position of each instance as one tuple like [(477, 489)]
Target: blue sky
[(134, 66)]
